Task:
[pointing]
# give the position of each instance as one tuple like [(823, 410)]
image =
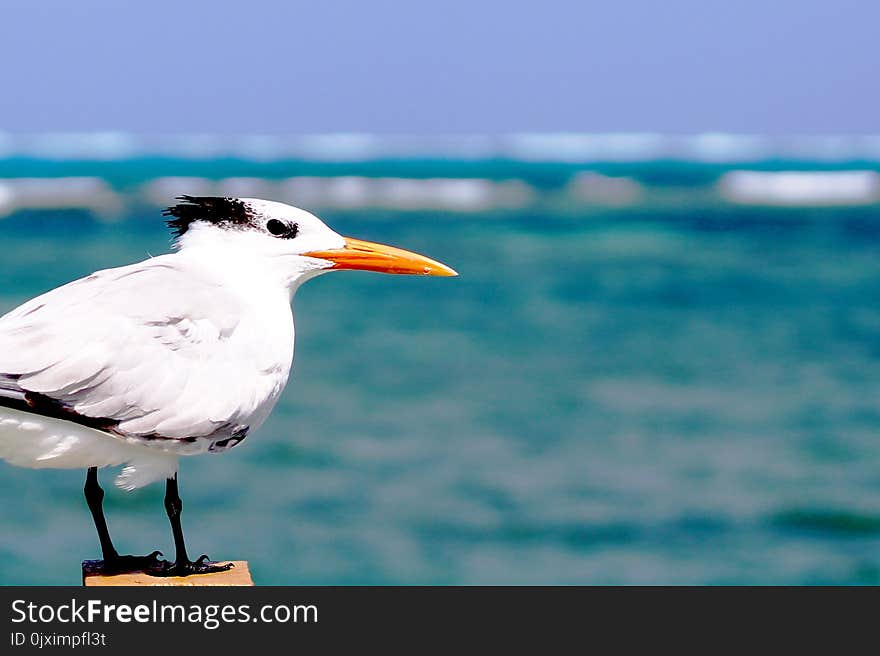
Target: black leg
[(95, 499), (183, 566), (173, 506), (113, 563)]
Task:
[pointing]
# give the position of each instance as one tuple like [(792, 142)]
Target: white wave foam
[(801, 188), (92, 194), (103, 146), (530, 147), (714, 147), (721, 147), (162, 191), (349, 192), (576, 147), (585, 190), (597, 189)]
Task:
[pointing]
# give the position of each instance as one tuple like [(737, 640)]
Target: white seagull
[(181, 354)]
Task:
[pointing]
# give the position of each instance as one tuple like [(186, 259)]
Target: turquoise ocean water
[(649, 371)]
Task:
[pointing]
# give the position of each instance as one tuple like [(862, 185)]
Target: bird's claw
[(149, 564), (202, 565)]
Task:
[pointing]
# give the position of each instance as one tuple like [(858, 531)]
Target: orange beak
[(366, 255)]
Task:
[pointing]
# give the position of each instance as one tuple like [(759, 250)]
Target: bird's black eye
[(282, 229)]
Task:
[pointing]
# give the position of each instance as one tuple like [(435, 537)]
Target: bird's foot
[(149, 564), (201, 566)]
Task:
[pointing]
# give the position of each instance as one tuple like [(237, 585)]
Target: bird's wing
[(149, 349)]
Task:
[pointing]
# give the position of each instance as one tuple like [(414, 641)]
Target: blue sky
[(491, 66)]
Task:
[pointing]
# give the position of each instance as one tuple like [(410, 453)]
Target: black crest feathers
[(228, 212)]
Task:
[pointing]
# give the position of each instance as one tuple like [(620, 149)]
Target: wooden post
[(238, 575)]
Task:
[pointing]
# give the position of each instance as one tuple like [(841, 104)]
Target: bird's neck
[(223, 257), (262, 292)]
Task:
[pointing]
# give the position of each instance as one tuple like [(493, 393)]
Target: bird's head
[(298, 241)]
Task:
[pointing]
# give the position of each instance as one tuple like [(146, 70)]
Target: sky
[(433, 68)]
